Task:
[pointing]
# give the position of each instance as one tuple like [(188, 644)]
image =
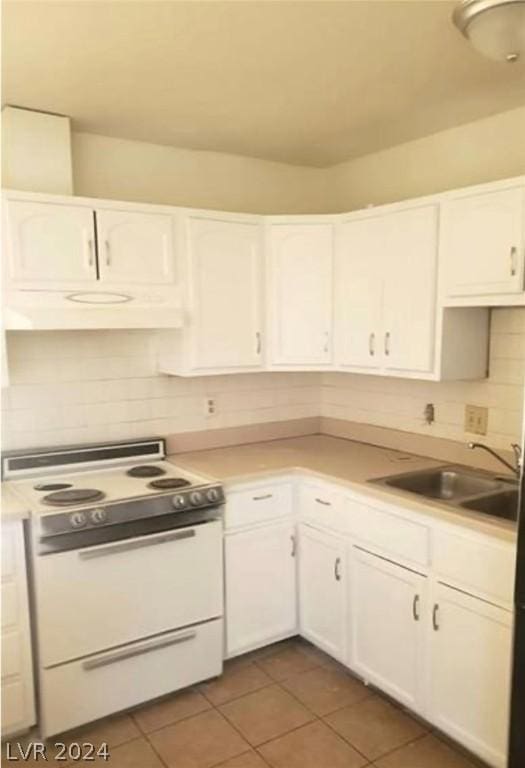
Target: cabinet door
[(387, 605), (322, 590), (360, 246), (482, 243), (260, 587), (135, 247), (226, 285), (51, 243), (470, 666), (409, 296), (301, 293)]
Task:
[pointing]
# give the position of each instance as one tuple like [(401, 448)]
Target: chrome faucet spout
[(517, 452)]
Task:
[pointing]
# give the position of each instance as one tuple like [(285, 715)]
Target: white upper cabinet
[(300, 264), (409, 292), (135, 247), (482, 244), (386, 290), (49, 243), (470, 661), (359, 292), (222, 273)]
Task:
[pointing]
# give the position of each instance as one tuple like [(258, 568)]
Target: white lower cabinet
[(322, 590), (261, 600), (470, 661), (18, 704), (387, 609)]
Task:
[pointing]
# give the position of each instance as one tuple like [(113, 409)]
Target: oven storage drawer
[(100, 597), (81, 691)]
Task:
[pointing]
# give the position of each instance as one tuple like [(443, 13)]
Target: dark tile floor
[(285, 706)]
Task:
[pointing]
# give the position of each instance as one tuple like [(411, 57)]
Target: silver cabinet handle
[(326, 341), (324, 503), (513, 260), (91, 248), (108, 253), (337, 571), (138, 650), (258, 344), (294, 545), (415, 607), (372, 344), (263, 497), (435, 617), (387, 343), (127, 546)]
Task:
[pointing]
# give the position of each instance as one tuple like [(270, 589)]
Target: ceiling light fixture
[(496, 28)]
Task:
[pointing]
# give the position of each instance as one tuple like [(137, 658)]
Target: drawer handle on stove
[(262, 498), (138, 650), (126, 546)]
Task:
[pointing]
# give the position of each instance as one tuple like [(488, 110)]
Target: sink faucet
[(517, 454)]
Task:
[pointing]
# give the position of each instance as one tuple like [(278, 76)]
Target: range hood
[(47, 310)]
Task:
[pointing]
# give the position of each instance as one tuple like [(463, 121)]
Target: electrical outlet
[(210, 408), (476, 419)]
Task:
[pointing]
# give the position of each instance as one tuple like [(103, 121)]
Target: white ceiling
[(301, 82)]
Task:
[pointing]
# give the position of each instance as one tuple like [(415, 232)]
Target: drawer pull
[(415, 608), (513, 260), (263, 497), (372, 344), (294, 545), (337, 569), (435, 617), (387, 343), (138, 650), (127, 546), (324, 503)]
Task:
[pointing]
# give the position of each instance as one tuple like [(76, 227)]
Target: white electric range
[(125, 553)]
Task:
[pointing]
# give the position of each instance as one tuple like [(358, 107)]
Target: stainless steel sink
[(503, 504), (444, 483), (461, 488)]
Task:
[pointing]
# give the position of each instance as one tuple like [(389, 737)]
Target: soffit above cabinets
[(310, 83)]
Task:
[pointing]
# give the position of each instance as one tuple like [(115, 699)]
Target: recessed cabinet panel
[(260, 586), (135, 247), (387, 605), (409, 295), (359, 290), (301, 263), (470, 663), (482, 241), (51, 243), (322, 590), (225, 283)]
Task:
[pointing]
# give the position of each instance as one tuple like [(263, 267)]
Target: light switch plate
[(476, 419)]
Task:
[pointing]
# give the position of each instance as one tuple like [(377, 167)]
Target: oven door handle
[(138, 650), (127, 546)]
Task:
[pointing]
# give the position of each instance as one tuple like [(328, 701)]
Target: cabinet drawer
[(14, 716), (322, 506), (124, 677), (388, 533), (9, 604), (476, 565), (258, 504), (11, 654)]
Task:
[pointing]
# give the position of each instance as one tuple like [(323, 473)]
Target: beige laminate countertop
[(13, 508), (345, 461)]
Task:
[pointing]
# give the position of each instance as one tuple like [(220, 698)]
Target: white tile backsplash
[(399, 403), (88, 386)]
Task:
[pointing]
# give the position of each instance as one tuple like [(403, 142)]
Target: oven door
[(92, 599)]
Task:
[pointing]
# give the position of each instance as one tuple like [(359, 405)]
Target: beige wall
[(137, 171), (489, 149)]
